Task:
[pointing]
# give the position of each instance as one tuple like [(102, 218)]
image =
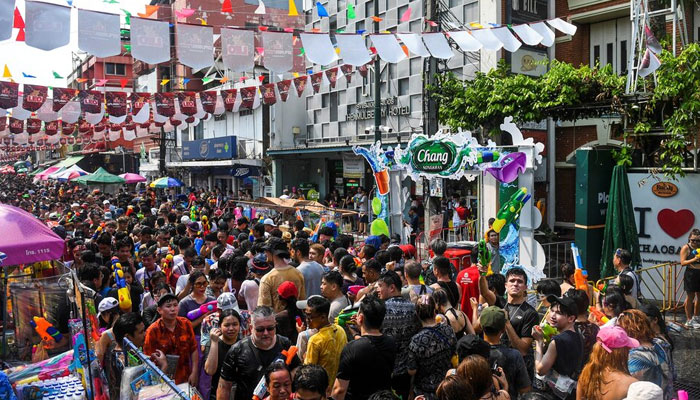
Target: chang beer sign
[(433, 157)]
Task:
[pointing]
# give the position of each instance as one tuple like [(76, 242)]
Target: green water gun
[(345, 316), (483, 253), (548, 331)]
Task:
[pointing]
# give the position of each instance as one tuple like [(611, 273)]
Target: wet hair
[(319, 304), (369, 251), (382, 256), (581, 299), (373, 311), (425, 307), (548, 286), (454, 388), (126, 325), (497, 283), (347, 264), (475, 370), (440, 298), (438, 246), (392, 278), (311, 377), (333, 277), (275, 366), (230, 312), (567, 270), (626, 283)]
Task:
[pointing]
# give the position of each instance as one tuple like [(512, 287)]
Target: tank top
[(452, 292)]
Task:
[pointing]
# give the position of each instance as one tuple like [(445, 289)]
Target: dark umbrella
[(620, 224)]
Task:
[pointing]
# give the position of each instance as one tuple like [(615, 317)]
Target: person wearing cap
[(493, 324), (250, 288), (277, 251), (606, 375), (269, 225), (287, 318), (241, 227), (565, 350), (223, 337), (324, 348), (173, 335), (108, 312)]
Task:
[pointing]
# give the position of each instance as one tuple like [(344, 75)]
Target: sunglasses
[(201, 284), (262, 329)]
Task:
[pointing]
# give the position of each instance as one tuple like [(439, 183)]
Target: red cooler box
[(458, 254)]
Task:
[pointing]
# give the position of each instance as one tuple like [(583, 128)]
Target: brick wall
[(565, 194), (570, 138)]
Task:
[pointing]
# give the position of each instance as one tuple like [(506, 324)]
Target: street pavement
[(686, 357)]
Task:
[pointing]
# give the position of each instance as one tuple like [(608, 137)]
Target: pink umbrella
[(25, 239), (130, 177)]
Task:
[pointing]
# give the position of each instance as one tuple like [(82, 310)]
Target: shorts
[(364, 218), (691, 280)]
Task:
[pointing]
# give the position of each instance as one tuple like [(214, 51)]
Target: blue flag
[(321, 9)]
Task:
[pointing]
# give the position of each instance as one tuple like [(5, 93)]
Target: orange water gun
[(599, 316), (45, 329)]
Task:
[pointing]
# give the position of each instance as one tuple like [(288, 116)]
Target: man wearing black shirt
[(520, 318), (245, 363), (367, 362), (565, 351)]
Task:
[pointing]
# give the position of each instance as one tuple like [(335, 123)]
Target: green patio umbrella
[(36, 171), (620, 224), (101, 176)]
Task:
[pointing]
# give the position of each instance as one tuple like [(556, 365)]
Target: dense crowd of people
[(315, 315)]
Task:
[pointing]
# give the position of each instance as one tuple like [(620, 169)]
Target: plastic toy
[(45, 329)]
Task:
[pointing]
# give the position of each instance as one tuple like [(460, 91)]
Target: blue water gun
[(123, 294)]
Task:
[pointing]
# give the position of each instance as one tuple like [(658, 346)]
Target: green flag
[(351, 11), (127, 19), (127, 47), (206, 80), (56, 75)]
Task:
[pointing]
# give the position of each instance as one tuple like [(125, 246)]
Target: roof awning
[(69, 162)]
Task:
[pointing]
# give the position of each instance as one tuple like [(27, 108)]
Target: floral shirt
[(652, 364)]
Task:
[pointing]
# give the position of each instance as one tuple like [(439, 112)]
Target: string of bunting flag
[(95, 116), (99, 34)]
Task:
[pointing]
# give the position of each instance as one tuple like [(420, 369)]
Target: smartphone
[(494, 369)]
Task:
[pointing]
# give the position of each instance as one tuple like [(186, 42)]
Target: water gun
[(603, 287), (695, 252), (598, 315), (205, 224), (261, 388), (345, 316), (355, 289), (98, 231), (547, 330), (198, 243), (314, 236), (297, 214), (45, 329), (484, 255), (580, 274), (129, 210), (193, 213), (93, 322), (203, 309), (123, 294), (487, 156), (168, 266), (511, 209)]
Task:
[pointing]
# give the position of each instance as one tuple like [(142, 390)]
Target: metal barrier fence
[(662, 284), (556, 253)]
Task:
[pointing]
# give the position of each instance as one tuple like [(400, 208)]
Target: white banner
[(545, 32), (47, 26), (318, 48), (98, 33), (528, 35), (414, 43), (353, 49), (487, 39), (466, 41), (388, 48), (278, 47), (7, 9), (195, 45), (238, 49), (150, 40), (509, 41), (437, 45)]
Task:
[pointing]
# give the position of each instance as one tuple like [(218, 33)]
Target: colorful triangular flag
[(351, 11), (293, 9), (223, 80), (322, 12), (206, 80), (123, 82), (26, 75), (376, 19), (20, 35), (18, 22), (101, 82), (261, 8), (406, 15), (184, 13), (56, 75), (6, 73), (127, 16), (149, 11), (164, 82), (226, 7)]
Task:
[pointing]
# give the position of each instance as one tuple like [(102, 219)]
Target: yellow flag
[(476, 25), (293, 9), (6, 73), (164, 82)]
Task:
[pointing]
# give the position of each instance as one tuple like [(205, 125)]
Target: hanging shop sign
[(222, 148), (244, 171), (353, 167)]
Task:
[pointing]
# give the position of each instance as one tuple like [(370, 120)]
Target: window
[(334, 106), (369, 9), (402, 10), (360, 26), (317, 116), (455, 3), (609, 42), (199, 131), (403, 86), (115, 69), (325, 100), (416, 66)]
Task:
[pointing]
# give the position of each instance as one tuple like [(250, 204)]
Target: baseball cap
[(277, 247), (105, 202), (287, 289), (108, 303), (193, 226), (566, 304), (301, 304), (472, 344), (614, 337), (185, 219), (227, 301), (493, 318), (166, 297), (108, 215), (643, 390), (269, 221), (75, 205), (259, 264)]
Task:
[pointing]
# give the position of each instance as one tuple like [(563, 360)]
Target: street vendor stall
[(291, 209)]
